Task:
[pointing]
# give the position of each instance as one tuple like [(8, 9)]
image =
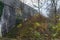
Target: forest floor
[(7, 39), (18, 39)]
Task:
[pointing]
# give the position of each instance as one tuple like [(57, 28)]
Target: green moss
[(1, 8)]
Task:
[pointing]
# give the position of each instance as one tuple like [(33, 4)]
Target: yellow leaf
[(37, 24), (36, 14), (19, 25)]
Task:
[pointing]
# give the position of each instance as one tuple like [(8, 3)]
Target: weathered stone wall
[(9, 16)]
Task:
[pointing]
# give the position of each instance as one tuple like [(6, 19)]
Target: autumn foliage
[(36, 23)]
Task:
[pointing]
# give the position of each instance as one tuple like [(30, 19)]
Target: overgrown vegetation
[(36, 28)]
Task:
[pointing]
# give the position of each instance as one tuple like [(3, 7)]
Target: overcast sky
[(34, 4), (44, 3)]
